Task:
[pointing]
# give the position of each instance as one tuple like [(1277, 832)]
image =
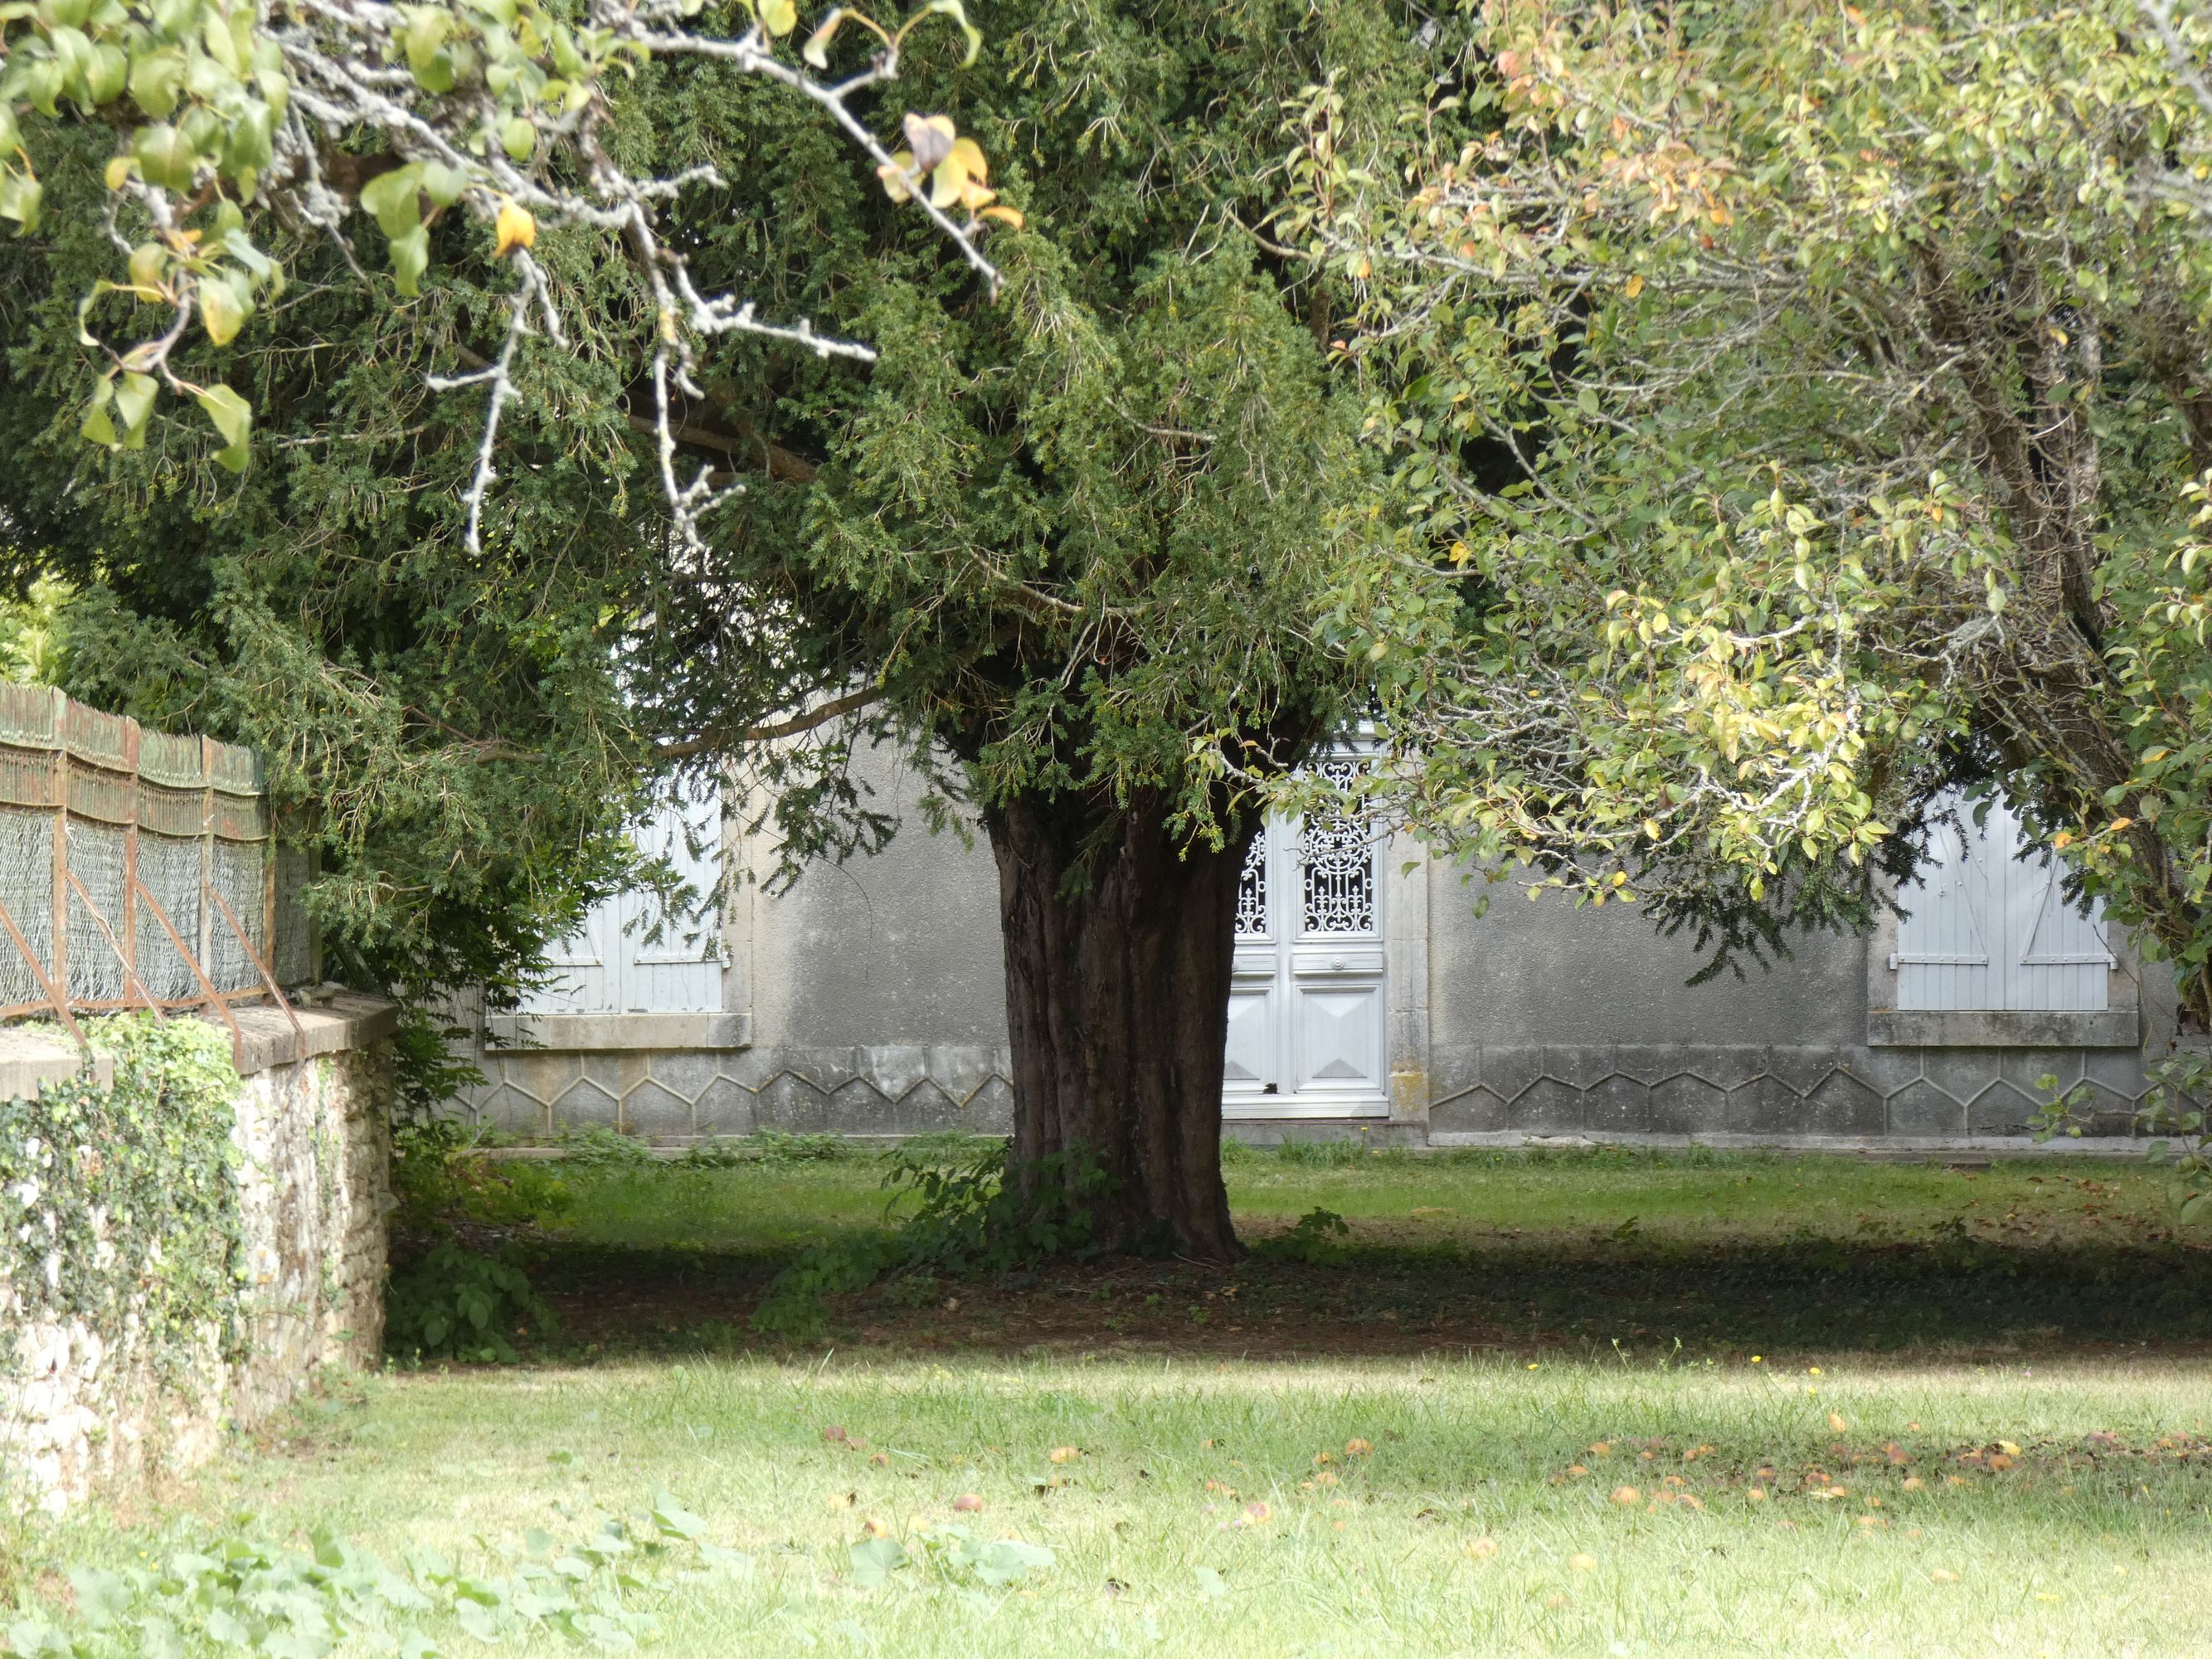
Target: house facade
[(1372, 992)]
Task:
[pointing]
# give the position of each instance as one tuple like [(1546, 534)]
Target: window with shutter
[(630, 956), (1988, 925)]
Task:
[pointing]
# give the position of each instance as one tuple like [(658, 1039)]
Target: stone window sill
[(2002, 1028), (592, 1033)]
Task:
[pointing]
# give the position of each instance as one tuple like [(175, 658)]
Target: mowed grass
[(1726, 1253), (1589, 1404), (1213, 1507)]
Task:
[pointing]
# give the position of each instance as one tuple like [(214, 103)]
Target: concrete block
[(1726, 1067), (511, 1111), (1616, 1105), (895, 1068), (790, 1102), (2021, 1067), (585, 1102), (543, 1077), (1885, 1071), (990, 1110), (1649, 1063), (1962, 1073)]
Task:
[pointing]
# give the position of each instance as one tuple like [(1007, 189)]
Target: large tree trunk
[(1118, 945)]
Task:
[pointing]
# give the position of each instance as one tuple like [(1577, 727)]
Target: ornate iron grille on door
[(138, 870)]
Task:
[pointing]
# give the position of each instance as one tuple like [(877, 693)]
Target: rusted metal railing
[(138, 870)]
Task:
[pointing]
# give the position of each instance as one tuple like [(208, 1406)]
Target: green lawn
[(1263, 1460)]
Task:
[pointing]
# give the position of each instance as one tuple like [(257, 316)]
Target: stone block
[(1616, 1105), (893, 1068), (1962, 1073), (1725, 1066), (1453, 1068), (723, 1108), (684, 1072), (1507, 1071), (827, 1069), (1922, 1108), (1802, 1069), (959, 1069), (990, 1110), (1471, 1111), (1885, 1071), (1549, 1107), (2120, 1070), (923, 1110), (543, 1077), (1579, 1064), (583, 1103), (2022, 1067), (1688, 1106), (615, 1073), (859, 1108), (790, 1102), (1648, 1063), (1766, 1106), (2002, 1109), (653, 1111), (512, 1112), (1843, 1105)]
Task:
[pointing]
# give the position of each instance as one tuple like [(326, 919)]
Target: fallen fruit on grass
[(1943, 1575), (1255, 1514), (1358, 1448), (1913, 1483), (1836, 1422), (1482, 1549), (1065, 1454), (1626, 1495), (1582, 1563), (967, 1503)]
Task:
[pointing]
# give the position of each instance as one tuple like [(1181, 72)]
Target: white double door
[(632, 955), (1307, 1003)]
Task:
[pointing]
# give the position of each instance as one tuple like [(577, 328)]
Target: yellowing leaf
[(1634, 286), (515, 229), (778, 17), (1004, 215)]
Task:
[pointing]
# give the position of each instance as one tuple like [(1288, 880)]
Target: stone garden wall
[(186, 1268)]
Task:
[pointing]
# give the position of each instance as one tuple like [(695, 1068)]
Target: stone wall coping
[(30, 1059), (594, 1033), (333, 1023)]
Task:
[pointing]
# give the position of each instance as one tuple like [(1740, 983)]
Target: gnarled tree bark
[(1119, 939)]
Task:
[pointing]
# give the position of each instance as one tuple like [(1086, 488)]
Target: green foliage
[(1798, 411), (976, 1212), (118, 1205), (2172, 1113), (1317, 1240), (439, 1176), (950, 1555), (769, 1146), (233, 1590), (460, 1304), (597, 1145)]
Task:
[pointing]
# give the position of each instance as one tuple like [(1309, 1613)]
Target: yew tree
[(1052, 491)]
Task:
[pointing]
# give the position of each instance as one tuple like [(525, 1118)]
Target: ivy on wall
[(118, 1205)]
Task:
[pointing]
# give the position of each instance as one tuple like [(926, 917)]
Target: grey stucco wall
[(871, 1001), (1548, 973), (901, 948)]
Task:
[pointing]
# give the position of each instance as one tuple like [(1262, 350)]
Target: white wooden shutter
[(1988, 928), (613, 964)]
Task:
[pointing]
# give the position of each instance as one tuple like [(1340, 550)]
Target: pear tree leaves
[(474, 96)]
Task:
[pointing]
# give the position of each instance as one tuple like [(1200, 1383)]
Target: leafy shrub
[(440, 1177), (769, 1147), (595, 1145), (459, 1303), (1317, 1240), (968, 1221)]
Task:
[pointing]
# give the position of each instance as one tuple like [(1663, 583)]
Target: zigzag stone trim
[(1771, 1091)]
